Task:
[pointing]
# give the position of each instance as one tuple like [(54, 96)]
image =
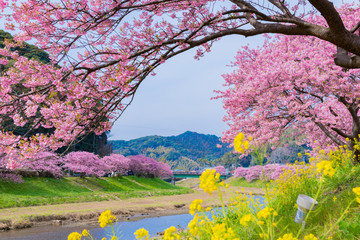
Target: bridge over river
[(194, 175), (182, 175)]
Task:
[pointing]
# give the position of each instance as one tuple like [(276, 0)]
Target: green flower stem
[(113, 230), (222, 202), (341, 217), (261, 228)]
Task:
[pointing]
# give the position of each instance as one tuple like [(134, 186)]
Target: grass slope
[(43, 191)]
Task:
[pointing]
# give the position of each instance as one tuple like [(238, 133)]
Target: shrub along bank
[(42, 191)]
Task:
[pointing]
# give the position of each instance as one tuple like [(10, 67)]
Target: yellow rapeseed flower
[(170, 234), (287, 237), (310, 237), (238, 142), (219, 232), (240, 137), (326, 167), (85, 233), (74, 236), (193, 226), (106, 218), (209, 181), (195, 206), (246, 144), (264, 213), (245, 219), (141, 233), (356, 190)]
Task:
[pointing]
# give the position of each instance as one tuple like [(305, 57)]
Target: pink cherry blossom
[(291, 82)]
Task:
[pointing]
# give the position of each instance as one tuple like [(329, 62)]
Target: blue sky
[(177, 99)]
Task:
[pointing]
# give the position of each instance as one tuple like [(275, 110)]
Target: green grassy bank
[(42, 191)]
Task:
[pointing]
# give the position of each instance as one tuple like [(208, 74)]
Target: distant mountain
[(182, 151)]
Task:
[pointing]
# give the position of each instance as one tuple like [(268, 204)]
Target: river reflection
[(124, 230)]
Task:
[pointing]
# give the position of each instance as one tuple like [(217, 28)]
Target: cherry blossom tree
[(117, 163), (101, 51), (46, 163), (163, 170), (84, 163), (264, 173), (291, 82), (148, 167), (7, 174), (220, 169)]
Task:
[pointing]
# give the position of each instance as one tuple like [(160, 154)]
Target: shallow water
[(124, 230)]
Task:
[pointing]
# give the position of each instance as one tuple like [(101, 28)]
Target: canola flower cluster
[(195, 206), (287, 236), (106, 218), (326, 168), (170, 234), (266, 212), (288, 182), (194, 225), (209, 181), (221, 232), (241, 144), (357, 193), (141, 233), (246, 219), (74, 236)]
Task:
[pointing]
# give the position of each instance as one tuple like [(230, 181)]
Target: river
[(124, 230)]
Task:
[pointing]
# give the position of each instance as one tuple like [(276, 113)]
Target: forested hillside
[(180, 151)]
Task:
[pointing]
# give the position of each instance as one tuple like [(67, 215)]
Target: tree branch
[(329, 134)]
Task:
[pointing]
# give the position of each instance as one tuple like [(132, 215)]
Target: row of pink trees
[(264, 173), (86, 163)]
